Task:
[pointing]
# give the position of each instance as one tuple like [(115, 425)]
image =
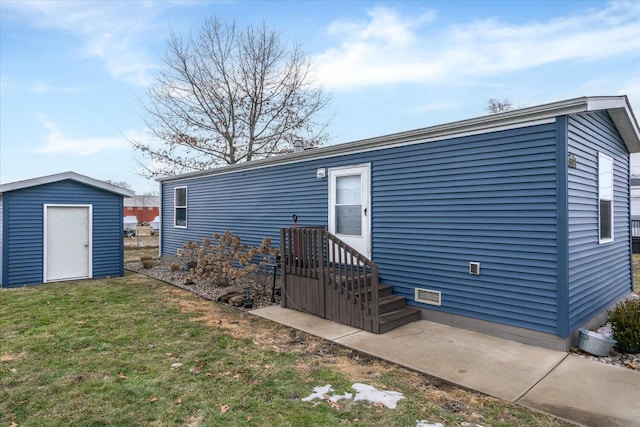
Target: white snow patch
[(606, 330), (387, 398), (318, 393), (425, 423), (363, 392), (337, 397)]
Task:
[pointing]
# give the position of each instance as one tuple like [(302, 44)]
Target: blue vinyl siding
[(253, 203), (436, 206), (599, 274), (2, 249), (489, 198), (24, 238)]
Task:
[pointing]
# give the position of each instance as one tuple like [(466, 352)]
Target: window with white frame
[(180, 207), (605, 197)]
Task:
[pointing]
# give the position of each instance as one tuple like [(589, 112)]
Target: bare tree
[(495, 106), (227, 96), (122, 184)]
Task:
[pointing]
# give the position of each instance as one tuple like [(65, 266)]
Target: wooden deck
[(324, 276)]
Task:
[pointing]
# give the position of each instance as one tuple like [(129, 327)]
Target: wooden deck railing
[(315, 254)]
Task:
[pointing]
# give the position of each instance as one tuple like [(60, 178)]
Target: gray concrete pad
[(498, 367), (589, 392), (564, 385), (305, 322)]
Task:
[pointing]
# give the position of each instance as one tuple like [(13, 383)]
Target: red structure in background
[(144, 208)]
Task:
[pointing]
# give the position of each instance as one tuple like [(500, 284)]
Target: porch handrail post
[(320, 236), (374, 298), (283, 267)]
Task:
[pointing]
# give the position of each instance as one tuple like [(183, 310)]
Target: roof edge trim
[(510, 119), (622, 115), (17, 185)]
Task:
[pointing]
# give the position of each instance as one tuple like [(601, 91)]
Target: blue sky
[(72, 74)]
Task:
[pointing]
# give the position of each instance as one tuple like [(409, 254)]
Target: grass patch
[(135, 351), (134, 253), (636, 273)]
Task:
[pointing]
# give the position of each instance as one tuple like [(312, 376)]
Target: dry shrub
[(225, 261)]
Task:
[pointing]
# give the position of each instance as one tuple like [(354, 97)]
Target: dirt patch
[(10, 357)]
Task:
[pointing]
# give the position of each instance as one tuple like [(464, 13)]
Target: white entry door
[(349, 206), (67, 242)]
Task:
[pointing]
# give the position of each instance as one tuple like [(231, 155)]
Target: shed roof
[(617, 106), (17, 185)]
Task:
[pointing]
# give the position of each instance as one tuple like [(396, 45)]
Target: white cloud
[(41, 87), (389, 48), (111, 31), (58, 143), (384, 26)]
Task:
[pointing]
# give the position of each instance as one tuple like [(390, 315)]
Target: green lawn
[(100, 353)]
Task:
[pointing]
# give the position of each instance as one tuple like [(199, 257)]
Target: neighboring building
[(635, 214), (144, 208), (60, 227), (635, 197), (514, 224)]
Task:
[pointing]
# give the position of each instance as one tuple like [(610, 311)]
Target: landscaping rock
[(229, 292), (240, 300)]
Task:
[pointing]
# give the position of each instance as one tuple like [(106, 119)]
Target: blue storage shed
[(514, 224), (60, 227)]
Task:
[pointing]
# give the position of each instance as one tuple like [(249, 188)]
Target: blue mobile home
[(60, 227), (515, 224)]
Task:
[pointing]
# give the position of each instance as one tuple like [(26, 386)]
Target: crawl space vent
[(428, 296)]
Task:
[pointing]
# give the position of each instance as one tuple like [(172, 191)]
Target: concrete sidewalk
[(583, 391)]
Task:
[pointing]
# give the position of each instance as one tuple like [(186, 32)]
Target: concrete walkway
[(580, 390)]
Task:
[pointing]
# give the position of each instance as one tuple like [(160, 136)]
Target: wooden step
[(397, 318), (348, 280), (384, 291), (391, 303)]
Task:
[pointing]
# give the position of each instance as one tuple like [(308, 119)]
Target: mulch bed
[(161, 270)]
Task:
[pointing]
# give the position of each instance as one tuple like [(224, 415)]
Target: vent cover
[(474, 268), (428, 296)]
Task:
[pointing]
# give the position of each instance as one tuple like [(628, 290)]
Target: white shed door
[(67, 243)]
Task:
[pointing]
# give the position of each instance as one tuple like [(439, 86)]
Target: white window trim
[(610, 159), (186, 209)]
